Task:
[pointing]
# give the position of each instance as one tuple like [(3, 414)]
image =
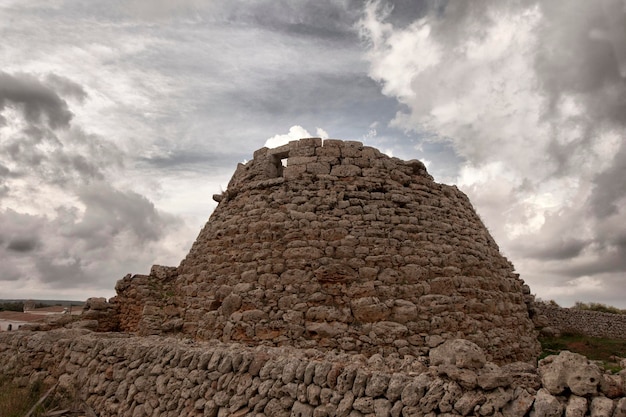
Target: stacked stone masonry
[(342, 248), (122, 375), (590, 323)]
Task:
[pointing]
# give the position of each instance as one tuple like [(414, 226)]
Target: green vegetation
[(598, 307), (18, 305), (597, 349), (12, 306), (579, 305)]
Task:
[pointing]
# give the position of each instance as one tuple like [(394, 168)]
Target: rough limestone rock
[(612, 386), (458, 352), (334, 245), (601, 407), (620, 408), (569, 370), (546, 405), (103, 313), (576, 407)]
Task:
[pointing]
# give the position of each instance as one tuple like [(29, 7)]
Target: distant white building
[(12, 320)]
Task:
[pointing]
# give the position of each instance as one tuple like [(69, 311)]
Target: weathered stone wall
[(122, 375), (342, 248), (590, 323), (146, 303)]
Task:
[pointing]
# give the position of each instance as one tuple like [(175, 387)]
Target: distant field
[(18, 305), (46, 302)]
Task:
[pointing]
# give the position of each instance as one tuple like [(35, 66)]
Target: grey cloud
[(181, 159), (66, 87), (610, 186), (67, 273), (97, 225), (454, 21), (48, 146), (610, 259), (557, 249), (9, 271), (70, 159), (110, 212), (161, 9), (81, 250), (84, 157), (19, 227), (572, 61), (4, 171), (326, 19), (274, 82), (23, 245), (568, 61), (301, 94), (40, 103), (404, 12), (616, 32), (568, 58)]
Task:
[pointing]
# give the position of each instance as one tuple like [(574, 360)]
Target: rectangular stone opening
[(279, 159), (278, 162)]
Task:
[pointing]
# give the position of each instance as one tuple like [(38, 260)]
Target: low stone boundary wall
[(587, 322), (123, 375)]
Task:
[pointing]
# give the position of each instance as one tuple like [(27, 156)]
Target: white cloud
[(296, 132), (321, 133)]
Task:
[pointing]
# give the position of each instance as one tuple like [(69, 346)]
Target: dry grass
[(16, 401), (598, 307)]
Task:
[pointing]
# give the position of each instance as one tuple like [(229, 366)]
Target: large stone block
[(546, 405), (460, 353), (569, 371), (369, 309)]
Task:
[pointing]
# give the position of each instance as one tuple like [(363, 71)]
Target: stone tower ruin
[(333, 245)]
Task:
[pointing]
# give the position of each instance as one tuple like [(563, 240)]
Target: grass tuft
[(16, 401), (603, 308)]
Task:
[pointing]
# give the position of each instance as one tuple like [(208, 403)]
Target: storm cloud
[(38, 102), (64, 222)]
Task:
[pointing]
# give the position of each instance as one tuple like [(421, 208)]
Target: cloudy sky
[(119, 119)]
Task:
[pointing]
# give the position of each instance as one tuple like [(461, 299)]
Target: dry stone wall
[(342, 248), (590, 323), (146, 303), (122, 375)]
